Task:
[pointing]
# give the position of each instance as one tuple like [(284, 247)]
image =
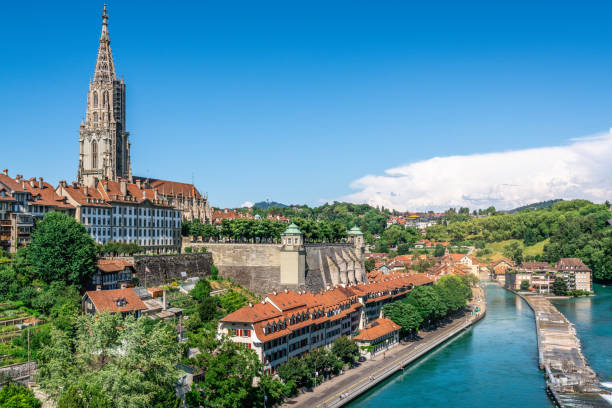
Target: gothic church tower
[(104, 146)]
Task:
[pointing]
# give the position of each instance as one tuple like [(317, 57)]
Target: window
[(95, 117), (95, 99), (94, 153)]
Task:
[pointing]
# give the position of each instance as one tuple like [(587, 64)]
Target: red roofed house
[(379, 336), (124, 301), (112, 274)]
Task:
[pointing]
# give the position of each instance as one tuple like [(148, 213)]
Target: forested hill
[(535, 206), (575, 228)]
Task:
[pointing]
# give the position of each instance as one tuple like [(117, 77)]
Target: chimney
[(275, 292), (138, 183), (23, 184), (98, 287), (86, 191), (123, 187), (5, 172), (250, 304), (164, 306), (40, 182), (286, 291), (18, 177)]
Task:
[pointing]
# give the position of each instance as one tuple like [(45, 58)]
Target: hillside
[(535, 206), (264, 205)]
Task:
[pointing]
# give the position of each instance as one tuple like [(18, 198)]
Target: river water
[(493, 364)]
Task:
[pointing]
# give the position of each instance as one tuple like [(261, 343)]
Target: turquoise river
[(495, 363)]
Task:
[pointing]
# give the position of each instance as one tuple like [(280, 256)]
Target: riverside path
[(342, 389)]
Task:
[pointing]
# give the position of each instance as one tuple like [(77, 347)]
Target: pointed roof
[(355, 231), (105, 69), (292, 229)]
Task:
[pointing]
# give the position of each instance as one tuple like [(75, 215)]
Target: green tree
[(201, 290), (207, 308), (17, 396), (453, 292), (514, 251), (228, 375), (132, 362), (427, 302), (83, 395), (559, 286), (439, 251), (525, 285), (61, 250), (295, 370), (369, 264), (404, 314), (345, 349)]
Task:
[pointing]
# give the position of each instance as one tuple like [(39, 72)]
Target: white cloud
[(246, 204), (581, 169)]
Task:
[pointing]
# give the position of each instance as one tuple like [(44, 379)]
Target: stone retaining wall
[(163, 269)]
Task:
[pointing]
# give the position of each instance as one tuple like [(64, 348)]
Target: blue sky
[(300, 102)]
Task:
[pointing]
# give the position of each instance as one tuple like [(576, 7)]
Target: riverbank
[(348, 386), (570, 380)]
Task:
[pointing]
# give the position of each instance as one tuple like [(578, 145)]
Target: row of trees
[(576, 228), (427, 305), (250, 230), (318, 364)]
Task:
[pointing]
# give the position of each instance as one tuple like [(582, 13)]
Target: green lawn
[(497, 249)]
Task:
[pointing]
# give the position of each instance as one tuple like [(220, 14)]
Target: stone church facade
[(104, 145)]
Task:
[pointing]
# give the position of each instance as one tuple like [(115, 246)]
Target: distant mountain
[(535, 206), (267, 204)]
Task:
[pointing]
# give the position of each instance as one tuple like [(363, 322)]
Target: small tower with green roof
[(292, 236), (292, 257), (355, 237)]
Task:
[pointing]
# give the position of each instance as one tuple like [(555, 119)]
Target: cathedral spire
[(105, 69)]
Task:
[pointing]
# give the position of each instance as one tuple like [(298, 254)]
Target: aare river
[(495, 363)]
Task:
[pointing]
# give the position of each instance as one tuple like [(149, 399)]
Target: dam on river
[(570, 381)]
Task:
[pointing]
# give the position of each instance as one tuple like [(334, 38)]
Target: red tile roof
[(253, 314), (571, 264), (106, 300), (85, 195), (171, 188), (45, 195), (113, 265), (377, 329)]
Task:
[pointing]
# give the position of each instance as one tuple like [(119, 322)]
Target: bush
[(188, 250), (18, 396)]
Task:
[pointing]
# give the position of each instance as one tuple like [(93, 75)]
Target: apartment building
[(288, 324), (22, 203), (125, 212)]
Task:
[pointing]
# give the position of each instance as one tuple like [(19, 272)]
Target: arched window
[(95, 99), (94, 155), (95, 115)]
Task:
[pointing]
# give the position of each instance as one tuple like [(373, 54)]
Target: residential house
[(124, 301), (576, 274), (377, 337)]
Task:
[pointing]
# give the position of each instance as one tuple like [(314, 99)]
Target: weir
[(569, 379)]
